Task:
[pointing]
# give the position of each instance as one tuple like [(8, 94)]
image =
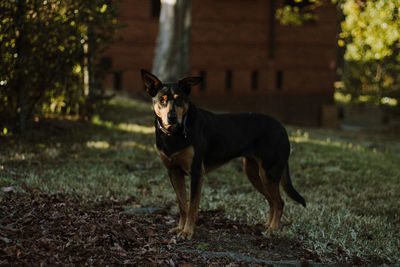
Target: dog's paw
[(175, 229), (272, 229), (186, 234)]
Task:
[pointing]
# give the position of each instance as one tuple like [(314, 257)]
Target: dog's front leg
[(178, 182), (196, 183)]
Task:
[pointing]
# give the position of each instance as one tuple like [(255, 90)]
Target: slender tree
[(171, 59), (19, 45)]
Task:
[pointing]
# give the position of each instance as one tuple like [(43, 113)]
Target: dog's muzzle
[(172, 118)]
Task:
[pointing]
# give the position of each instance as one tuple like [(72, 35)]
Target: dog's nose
[(172, 118)]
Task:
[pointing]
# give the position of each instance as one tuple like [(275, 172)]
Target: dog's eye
[(178, 100), (164, 99)]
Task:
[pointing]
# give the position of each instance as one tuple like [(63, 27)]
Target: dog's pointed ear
[(151, 83), (186, 83)]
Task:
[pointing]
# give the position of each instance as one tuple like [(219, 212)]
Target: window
[(228, 80), (203, 75), (155, 8), (106, 63), (118, 80), (254, 80), (279, 80)]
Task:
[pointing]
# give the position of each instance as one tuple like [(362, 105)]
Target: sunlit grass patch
[(129, 127)]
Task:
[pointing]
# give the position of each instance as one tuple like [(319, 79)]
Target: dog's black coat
[(219, 138), (203, 141)]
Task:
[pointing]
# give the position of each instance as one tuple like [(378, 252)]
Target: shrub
[(48, 49)]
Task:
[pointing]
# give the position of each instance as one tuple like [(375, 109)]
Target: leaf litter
[(37, 228)]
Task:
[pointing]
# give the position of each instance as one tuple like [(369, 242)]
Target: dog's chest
[(181, 159)]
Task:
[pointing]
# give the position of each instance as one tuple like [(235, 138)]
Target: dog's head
[(170, 100)]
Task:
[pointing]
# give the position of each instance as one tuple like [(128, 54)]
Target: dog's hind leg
[(271, 185), (277, 203), (252, 170), (178, 182)]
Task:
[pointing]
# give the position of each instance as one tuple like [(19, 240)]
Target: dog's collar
[(162, 129), (185, 130)]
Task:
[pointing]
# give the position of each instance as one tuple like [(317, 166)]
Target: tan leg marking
[(274, 199), (253, 172), (178, 182), (191, 218), (179, 165), (273, 190)]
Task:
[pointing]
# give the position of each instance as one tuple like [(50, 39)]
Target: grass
[(351, 182)]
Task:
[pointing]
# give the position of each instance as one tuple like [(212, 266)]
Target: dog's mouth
[(168, 126), (171, 127)]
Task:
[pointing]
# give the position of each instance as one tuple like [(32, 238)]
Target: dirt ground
[(42, 229)]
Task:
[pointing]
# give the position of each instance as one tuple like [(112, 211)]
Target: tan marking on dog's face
[(181, 111), (161, 108), (165, 105)]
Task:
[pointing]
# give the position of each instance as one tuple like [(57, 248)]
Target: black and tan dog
[(192, 141)]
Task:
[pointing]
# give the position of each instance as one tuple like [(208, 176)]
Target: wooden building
[(248, 60)]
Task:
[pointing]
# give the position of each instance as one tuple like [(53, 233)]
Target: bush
[(48, 49), (369, 46)]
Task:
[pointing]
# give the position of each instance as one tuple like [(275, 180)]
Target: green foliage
[(296, 14), (374, 81), (370, 36), (371, 30), (43, 57), (371, 33)]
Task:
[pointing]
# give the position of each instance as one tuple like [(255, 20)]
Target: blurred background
[(307, 62)]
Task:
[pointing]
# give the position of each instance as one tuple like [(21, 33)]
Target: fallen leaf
[(8, 189), (5, 239)]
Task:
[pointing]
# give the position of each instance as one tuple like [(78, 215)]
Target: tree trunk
[(88, 77), (171, 60)]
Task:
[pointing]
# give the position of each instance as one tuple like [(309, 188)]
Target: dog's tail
[(289, 189)]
